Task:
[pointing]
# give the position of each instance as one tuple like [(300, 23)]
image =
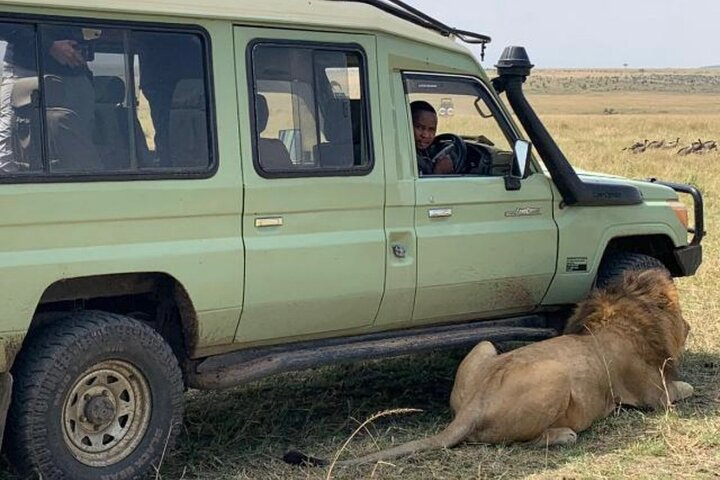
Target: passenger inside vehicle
[(431, 158), (69, 107)]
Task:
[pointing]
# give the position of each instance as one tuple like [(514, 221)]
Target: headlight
[(681, 211)]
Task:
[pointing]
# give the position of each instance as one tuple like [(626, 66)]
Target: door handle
[(440, 212), (268, 222)]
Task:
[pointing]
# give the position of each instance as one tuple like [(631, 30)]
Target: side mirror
[(521, 154)]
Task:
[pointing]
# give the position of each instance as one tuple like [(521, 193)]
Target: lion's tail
[(453, 434)]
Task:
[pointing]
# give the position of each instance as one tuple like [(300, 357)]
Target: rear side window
[(87, 99), (310, 106)]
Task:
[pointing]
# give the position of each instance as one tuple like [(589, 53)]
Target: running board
[(243, 366)]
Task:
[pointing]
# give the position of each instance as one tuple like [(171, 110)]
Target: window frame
[(350, 47), (504, 122), (103, 176)]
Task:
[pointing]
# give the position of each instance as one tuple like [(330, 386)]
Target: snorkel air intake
[(513, 68)]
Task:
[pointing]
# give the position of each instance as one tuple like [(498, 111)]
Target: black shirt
[(20, 50)]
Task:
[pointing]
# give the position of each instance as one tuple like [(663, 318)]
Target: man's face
[(425, 127)]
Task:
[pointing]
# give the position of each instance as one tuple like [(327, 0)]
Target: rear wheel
[(615, 264), (96, 395)]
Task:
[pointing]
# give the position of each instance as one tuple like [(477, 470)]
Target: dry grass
[(635, 80), (654, 104), (242, 433)]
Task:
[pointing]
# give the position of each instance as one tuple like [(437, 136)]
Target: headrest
[(109, 89), (261, 111), (189, 93), (25, 92)]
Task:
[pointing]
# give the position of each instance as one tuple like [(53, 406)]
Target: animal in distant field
[(709, 145), (637, 147), (621, 347), (698, 147), (692, 148), (672, 144)]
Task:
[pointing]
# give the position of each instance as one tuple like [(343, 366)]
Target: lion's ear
[(655, 284)]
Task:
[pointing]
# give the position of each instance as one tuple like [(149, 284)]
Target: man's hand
[(66, 52), (444, 165)]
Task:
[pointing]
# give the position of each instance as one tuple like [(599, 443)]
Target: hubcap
[(99, 410), (106, 413)]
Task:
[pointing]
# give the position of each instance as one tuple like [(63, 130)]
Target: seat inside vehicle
[(188, 136), (272, 153)]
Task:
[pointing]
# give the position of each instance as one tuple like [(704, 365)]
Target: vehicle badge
[(523, 212)]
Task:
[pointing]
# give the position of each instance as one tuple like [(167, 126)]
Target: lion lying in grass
[(620, 348)]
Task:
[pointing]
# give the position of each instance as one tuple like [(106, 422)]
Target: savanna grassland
[(242, 433)]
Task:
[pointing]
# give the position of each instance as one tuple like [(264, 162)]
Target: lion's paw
[(683, 390), (565, 437), (557, 436)]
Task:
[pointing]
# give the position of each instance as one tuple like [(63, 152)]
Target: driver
[(424, 120)]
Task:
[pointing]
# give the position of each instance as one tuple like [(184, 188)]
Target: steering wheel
[(480, 161), (454, 146)]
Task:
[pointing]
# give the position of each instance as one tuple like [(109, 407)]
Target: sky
[(591, 33)]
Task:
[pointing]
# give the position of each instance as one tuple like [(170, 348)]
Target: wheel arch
[(156, 298), (658, 245)]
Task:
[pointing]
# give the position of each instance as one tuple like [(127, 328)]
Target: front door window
[(455, 117)]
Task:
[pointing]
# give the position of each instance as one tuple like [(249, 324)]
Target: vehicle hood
[(650, 191)]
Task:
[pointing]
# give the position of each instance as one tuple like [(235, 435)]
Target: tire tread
[(619, 262)]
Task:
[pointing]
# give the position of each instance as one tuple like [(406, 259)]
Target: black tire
[(96, 395), (615, 264)]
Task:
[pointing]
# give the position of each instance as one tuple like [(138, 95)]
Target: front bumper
[(698, 230), (688, 258)]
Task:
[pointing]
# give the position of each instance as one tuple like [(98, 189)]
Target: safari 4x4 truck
[(201, 194)]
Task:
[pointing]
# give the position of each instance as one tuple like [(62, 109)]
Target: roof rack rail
[(404, 11)]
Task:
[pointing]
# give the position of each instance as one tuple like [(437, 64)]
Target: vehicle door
[(314, 196), (483, 250)]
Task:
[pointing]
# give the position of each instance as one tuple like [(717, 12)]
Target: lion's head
[(642, 306)]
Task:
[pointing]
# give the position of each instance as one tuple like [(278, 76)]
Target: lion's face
[(642, 306), (668, 301)]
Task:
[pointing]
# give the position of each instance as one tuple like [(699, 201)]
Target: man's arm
[(444, 165)]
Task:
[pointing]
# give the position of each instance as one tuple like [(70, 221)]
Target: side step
[(243, 366)]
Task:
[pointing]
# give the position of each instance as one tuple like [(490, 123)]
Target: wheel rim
[(106, 413)]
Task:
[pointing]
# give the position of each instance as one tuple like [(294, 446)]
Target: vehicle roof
[(322, 14)]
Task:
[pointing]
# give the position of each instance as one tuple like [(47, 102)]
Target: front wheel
[(96, 395), (615, 264)]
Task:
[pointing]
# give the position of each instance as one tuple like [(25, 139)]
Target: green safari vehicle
[(201, 194)]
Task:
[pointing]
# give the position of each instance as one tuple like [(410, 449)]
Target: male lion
[(620, 348)]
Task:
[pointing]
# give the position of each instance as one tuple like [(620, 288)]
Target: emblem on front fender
[(523, 212)]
